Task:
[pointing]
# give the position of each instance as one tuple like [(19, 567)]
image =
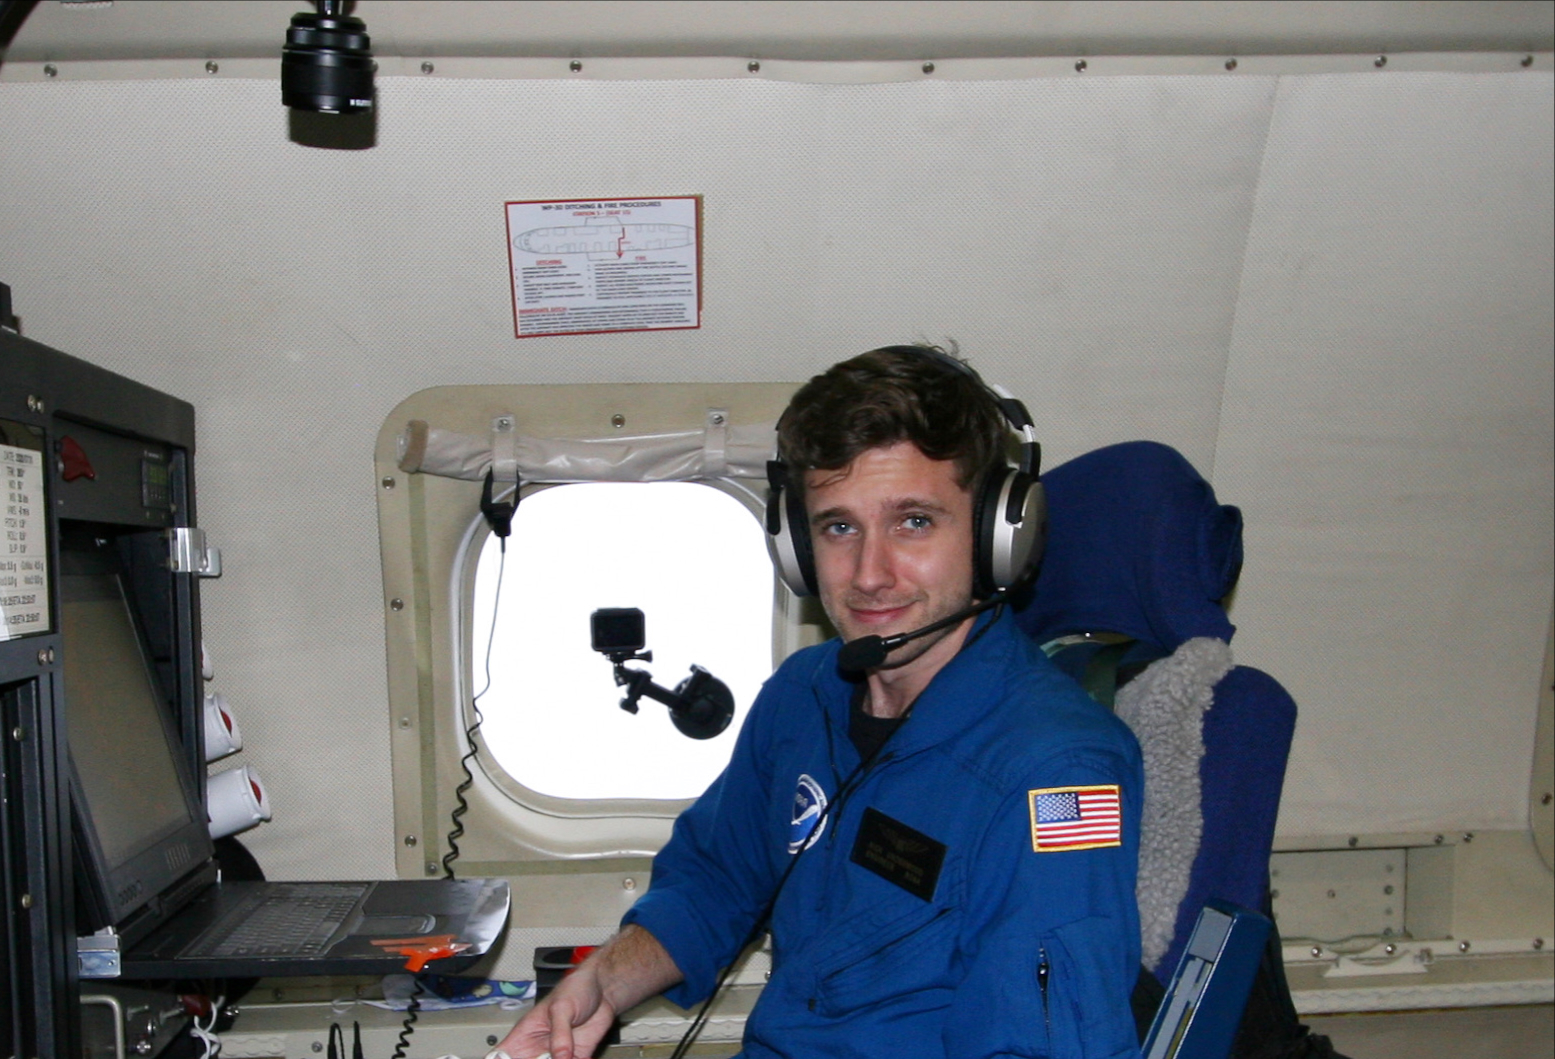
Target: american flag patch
[(1075, 818)]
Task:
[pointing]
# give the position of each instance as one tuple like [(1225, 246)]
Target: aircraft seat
[(1138, 547)]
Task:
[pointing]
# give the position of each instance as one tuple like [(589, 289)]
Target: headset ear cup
[(1031, 537), (789, 542), (1010, 525), (798, 524), (986, 517)]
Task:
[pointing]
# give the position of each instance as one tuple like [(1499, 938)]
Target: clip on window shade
[(733, 452)]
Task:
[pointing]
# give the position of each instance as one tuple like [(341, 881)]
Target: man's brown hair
[(922, 394)]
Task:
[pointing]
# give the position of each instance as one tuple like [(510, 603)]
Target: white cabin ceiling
[(854, 30)]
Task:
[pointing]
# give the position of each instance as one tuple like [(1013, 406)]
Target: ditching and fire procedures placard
[(588, 266)]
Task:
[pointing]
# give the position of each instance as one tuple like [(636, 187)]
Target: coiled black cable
[(456, 832), (409, 1026)]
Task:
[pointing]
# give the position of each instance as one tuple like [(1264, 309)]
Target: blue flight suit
[(1003, 951)]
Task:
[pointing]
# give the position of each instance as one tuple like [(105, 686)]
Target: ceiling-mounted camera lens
[(327, 63)]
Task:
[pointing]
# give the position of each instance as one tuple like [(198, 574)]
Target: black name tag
[(898, 854)]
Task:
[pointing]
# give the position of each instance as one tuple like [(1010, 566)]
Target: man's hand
[(568, 1023), (574, 1018)]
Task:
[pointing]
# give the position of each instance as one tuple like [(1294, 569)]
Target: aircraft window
[(692, 558), (645, 495)]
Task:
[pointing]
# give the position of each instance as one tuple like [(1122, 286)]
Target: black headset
[(1009, 512)]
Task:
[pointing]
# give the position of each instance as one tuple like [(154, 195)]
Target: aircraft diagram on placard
[(603, 241)]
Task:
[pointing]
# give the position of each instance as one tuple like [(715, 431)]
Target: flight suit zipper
[(1044, 969)]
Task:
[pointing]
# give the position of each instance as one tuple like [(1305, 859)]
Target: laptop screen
[(140, 821), (126, 768)]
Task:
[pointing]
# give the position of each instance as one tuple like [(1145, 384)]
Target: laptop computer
[(145, 859)]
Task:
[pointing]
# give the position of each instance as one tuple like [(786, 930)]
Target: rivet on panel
[(628, 884), (1388, 889), (1354, 842), (928, 68), (18, 733), (1274, 895), (404, 722), (427, 68), (1380, 61), (1081, 66), (1438, 840), (317, 1046), (1548, 797), (210, 66), (1390, 948), (1538, 943), (1468, 836), (1463, 946), (388, 483), (575, 66), (26, 900), (430, 867), (396, 604), (753, 66), (50, 70), (1527, 61), (1230, 64), (34, 404), (618, 420), (1332, 895), (410, 840), (1317, 952)]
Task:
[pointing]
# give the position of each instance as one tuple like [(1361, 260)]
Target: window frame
[(430, 533)]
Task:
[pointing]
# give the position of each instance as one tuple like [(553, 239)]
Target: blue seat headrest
[(1137, 544)]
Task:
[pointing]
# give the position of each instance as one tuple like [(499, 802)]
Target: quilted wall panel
[(1196, 260)]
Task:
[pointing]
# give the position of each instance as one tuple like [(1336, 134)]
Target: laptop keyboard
[(296, 919)]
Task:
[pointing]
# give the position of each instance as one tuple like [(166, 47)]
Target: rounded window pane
[(693, 559)]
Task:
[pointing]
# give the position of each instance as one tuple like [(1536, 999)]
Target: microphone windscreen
[(861, 654)]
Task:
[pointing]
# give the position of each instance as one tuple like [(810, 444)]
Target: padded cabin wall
[(1332, 292)]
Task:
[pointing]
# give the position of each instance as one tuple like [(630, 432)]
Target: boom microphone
[(867, 652)]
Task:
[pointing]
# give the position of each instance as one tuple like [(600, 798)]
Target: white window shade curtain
[(718, 450)]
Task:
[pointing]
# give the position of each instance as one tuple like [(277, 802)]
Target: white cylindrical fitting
[(236, 800), (222, 736)]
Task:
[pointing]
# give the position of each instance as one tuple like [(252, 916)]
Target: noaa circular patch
[(809, 811)]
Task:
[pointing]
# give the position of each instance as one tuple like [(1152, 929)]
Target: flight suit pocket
[(910, 955), (1084, 1001)]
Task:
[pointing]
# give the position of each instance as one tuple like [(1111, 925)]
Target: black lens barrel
[(327, 64)]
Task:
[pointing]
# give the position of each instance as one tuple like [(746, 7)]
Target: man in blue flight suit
[(943, 844)]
